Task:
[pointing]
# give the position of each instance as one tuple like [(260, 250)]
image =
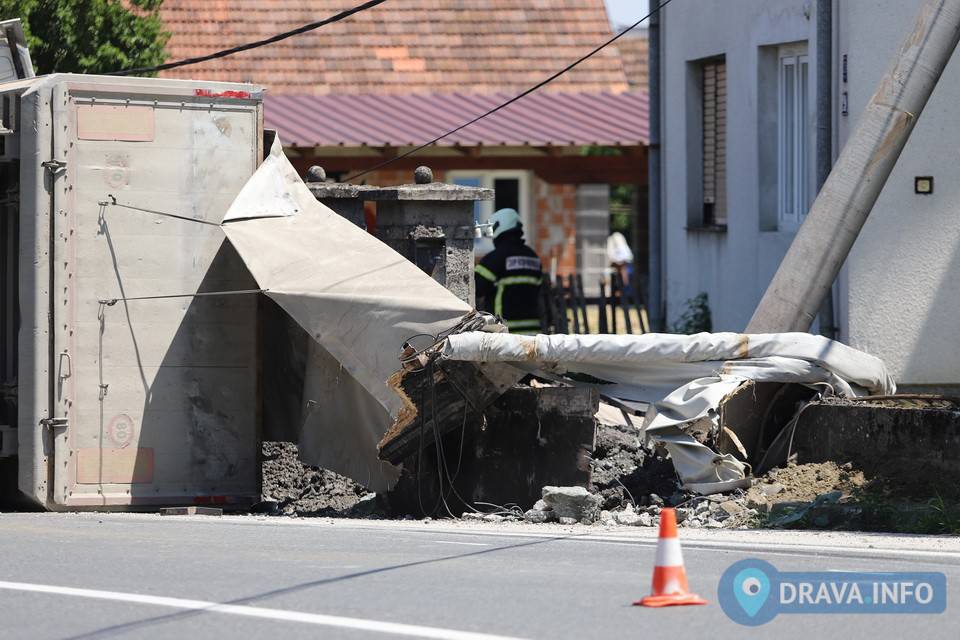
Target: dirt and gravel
[(632, 482), (627, 472), (298, 489), (804, 482)]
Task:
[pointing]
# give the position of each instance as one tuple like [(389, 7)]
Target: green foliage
[(621, 195), (696, 318), (90, 36), (600, 150), (939, 518), (621, 211)]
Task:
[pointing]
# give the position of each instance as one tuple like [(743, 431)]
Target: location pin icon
[(751, 588)]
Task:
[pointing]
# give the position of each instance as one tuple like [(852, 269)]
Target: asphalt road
[(126, 576)]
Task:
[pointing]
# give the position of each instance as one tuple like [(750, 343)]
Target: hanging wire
[(113, 202), (112, 301), (517, 97), (250, 45), (473, 321)]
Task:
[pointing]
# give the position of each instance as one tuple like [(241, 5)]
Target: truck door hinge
[(54, 423), (54, 166)]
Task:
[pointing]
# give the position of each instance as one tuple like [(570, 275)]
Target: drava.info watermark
[(753, 592)]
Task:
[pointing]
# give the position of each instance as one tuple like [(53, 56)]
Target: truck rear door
[(158, 386)]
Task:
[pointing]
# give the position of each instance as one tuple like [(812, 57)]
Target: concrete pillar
[(432, 225), (345, 199)]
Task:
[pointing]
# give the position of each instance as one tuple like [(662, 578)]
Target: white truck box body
[(142, 402)]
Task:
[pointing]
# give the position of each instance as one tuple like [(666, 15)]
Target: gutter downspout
[(825, 132), (654, 211)]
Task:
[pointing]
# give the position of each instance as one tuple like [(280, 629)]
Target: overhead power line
[(251, 45), (519, 96)]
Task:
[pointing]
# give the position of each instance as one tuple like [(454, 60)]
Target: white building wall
[(732, 267), (900, 297), (899, 294)]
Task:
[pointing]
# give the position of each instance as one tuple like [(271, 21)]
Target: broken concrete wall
[(913, 441), (528, 439)]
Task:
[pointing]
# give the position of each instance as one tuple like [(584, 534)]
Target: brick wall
[(555, 225)]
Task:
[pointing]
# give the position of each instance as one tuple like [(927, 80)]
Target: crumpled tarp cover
[(685, 378), (358, 299)]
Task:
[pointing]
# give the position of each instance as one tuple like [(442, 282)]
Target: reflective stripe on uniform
[(503, 283), (523, 324), (485, 273)]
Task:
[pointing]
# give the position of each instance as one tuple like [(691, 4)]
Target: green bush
[(696, 318), (90, 36)]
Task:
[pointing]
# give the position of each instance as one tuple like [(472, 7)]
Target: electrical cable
[(109, 302), (473, 321), (250, 45), (517, 97), (113, 202)]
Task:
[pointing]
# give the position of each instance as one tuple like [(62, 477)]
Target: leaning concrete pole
[(823, 242)]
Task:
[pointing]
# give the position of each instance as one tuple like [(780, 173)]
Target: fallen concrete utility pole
[(816, 255)]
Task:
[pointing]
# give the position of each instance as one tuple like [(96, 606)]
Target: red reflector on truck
[(207, 93)]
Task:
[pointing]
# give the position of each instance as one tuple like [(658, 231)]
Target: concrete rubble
[(292, 488), (566, 505)]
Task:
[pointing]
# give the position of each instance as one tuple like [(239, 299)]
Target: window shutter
[(715, 142)]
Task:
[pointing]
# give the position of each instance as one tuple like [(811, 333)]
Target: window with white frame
[(793, 145), (511, 190)]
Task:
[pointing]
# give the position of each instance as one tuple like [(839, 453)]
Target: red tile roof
[(399, 47), (540, 119), (635, 51)]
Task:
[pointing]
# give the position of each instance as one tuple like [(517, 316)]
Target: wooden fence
[(566, 309)]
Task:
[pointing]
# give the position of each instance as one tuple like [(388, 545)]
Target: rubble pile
[(297, 489), (792, 495), (631, 484), (625, 470)]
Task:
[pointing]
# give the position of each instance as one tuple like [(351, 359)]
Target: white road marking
[(360, 624), (472, 544)]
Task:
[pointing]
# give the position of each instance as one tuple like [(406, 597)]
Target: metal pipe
[(825, 131), (821, 246), (654, 212)]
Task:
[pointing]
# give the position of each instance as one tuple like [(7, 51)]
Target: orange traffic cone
[(669, 577)]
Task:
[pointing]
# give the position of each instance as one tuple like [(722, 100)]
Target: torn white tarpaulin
[(358, 299), (686, 378)]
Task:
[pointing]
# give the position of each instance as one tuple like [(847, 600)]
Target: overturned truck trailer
[(173, 293), (111, 398)]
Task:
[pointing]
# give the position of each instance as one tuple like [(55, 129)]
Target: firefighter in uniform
[(509, 277)]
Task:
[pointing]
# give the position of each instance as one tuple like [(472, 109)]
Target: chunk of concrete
[(627, 518), (572, 502), (538, 516), (770, 490), (731, 507)]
